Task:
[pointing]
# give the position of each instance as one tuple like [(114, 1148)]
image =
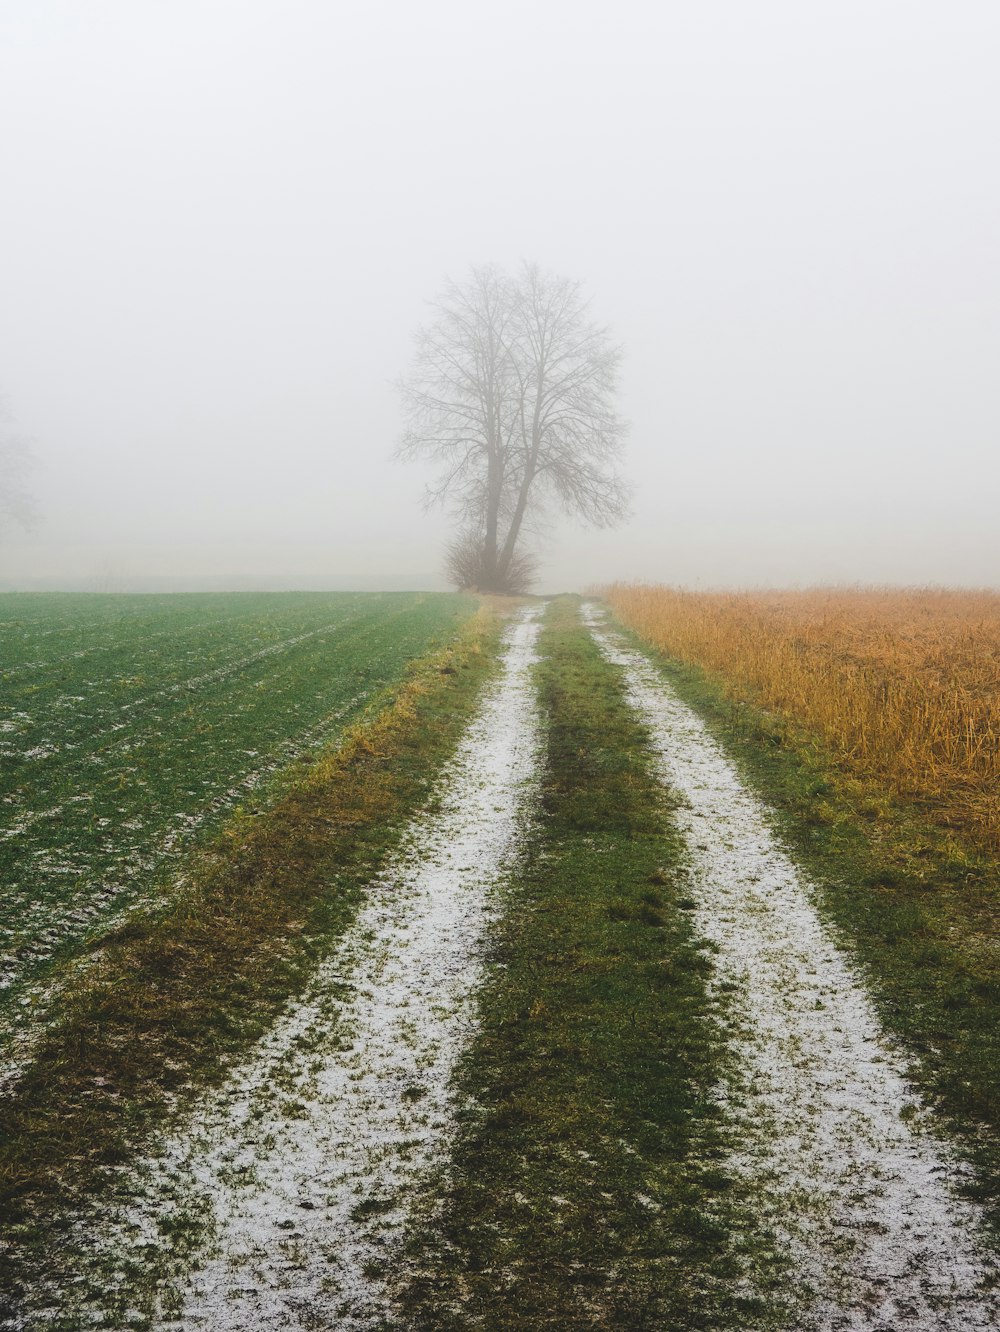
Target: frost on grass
[(147, 720), (91, 873), (303, 1169), (834, 1145), (160, 733), (84, 905)]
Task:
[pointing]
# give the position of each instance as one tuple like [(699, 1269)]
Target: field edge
[(168, 1000)]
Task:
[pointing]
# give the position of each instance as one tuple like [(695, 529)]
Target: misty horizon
[(222, 227)]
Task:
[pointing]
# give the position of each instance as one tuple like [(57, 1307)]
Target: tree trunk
[(490, 540), (530, 468)]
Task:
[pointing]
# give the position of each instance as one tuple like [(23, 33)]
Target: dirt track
[(833, 1141), (310, 1159), (286, 1199)]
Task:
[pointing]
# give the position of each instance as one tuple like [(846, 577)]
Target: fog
[(221, 224)]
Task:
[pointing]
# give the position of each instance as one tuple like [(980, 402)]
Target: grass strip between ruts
[(587, 1188), (918, 906), (170, 998)]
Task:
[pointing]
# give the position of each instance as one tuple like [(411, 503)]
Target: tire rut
[(833, 1140), (291, 1188)]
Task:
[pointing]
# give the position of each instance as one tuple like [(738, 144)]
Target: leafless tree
[(512, 394), (17, 505)]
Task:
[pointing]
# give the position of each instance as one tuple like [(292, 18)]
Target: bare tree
[(17, 505), (512, 394)]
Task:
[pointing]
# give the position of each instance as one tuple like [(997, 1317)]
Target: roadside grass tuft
[(170, 999), (586, 1188)]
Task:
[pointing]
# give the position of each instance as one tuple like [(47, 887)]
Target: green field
[(131, 726), (534, 999)]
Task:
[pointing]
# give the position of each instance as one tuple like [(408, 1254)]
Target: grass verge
[(169, 999), (587, 1188), (915, 903)]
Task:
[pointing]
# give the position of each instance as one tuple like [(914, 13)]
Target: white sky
[(220, 222)]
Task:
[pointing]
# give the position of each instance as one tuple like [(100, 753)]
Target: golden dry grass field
[(902, 685)]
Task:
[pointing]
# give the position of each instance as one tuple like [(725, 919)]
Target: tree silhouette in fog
[(512, 393)]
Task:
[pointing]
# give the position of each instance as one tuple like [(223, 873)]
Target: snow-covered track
[(832, 1140), (313, 1156)]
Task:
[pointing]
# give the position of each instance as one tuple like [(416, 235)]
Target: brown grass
[(902, 685)]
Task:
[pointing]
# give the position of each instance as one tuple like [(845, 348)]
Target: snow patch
[(311, 1159), (41, 751), (833, 1138)]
